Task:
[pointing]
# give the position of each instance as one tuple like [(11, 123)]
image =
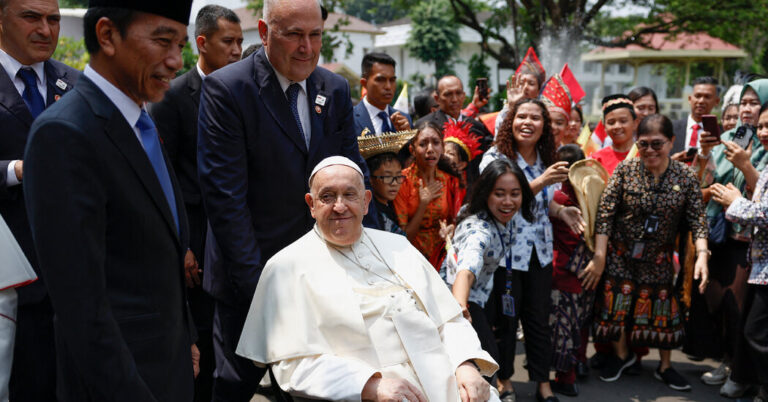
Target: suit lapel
[(122, 135), (11, 100), (275, 100), (361, 115), (57, 84), (194, 81), (315, 89)]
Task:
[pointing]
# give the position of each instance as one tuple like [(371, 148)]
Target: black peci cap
[(177, 10)]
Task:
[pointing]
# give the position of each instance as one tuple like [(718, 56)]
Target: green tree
[(189, 57), (73, 3), (434, 35), (375, 11), (71, 52)]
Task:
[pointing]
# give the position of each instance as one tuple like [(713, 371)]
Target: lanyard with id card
[(507, 300), (651, 224)]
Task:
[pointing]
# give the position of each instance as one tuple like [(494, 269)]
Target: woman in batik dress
[(636, 225)]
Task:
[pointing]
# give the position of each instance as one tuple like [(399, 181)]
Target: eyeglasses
[(390, 179), (656, 145)]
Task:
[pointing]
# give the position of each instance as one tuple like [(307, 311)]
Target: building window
[(589, 67), (623, 68)]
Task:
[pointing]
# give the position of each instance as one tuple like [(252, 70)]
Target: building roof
[(665, 48), (250, 21)]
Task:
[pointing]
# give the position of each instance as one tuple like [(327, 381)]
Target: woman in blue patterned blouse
[(525, 138), (481, 240), (753, 214)]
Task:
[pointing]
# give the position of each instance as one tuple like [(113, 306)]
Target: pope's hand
[(391, 390), (472, 386)]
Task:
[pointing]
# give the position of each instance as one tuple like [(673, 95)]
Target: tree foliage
[(434, 36), (71, 52), (375, 11), (73, 3)]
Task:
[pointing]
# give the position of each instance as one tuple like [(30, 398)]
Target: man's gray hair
[(270, 5)]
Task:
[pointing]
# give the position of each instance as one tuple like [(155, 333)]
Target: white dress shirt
[(199, 70), (689, 132), (301, 103), (127, 107), (12, 67), (373, 113)]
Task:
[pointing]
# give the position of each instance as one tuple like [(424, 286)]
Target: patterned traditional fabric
[(480, 243), (529, 234), (570, 312), (636, 291), (445, 207), (755, 213)]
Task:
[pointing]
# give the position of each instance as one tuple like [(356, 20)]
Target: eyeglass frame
[(392, 179), (659, 144)]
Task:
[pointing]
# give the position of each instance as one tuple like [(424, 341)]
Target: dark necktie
[(385, 128), (293, 97), (31, 94), (152, 147)]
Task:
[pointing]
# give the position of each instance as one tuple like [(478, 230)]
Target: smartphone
[(743, 137), (709, 121), (482, 88)]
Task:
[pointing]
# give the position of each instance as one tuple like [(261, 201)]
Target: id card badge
[(508, 305), (637, 250)]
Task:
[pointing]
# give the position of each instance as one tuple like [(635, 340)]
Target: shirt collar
[(199, 70), (523, 164), (285, 82), (127, 107), (691, 122), (372, 110), (12, 67)]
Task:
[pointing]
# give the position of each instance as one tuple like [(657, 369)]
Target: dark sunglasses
[(390, 179), (656, 145)]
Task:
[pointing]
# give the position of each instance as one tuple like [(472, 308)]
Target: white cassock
[(15, 271), (327, 318)]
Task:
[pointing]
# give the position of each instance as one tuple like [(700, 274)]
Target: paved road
[(640, 388)]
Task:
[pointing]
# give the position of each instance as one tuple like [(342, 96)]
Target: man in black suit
[(688, 131), (219, 40), (107, 216), (29, 81), (265, 122), (374, 115)]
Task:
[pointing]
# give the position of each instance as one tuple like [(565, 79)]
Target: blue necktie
[(385, 128), (31, 94), (152, 147), (293, 97)]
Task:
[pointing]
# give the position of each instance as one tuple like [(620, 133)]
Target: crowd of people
[(243, 228)]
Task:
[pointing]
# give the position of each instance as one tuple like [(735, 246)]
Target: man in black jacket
[(29, 82), (107, 216)]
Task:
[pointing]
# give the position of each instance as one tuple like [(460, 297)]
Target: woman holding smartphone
[(735, 158)]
